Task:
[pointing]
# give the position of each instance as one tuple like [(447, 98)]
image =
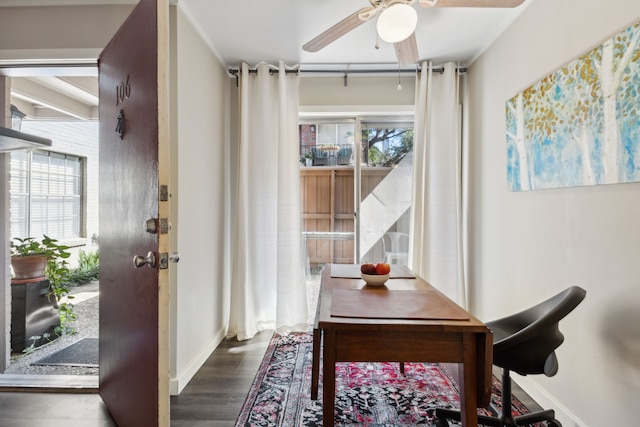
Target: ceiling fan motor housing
[(397, 22)]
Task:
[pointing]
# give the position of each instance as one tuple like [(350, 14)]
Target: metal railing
[(326, 154)]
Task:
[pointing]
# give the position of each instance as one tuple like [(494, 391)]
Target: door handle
[(150, 260)]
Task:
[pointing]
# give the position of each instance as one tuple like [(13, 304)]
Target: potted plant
[(37, 312), (32, 252), (30, 258), (308, 158)]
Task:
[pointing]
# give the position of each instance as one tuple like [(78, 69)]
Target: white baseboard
[(546, 401), (180, 381)]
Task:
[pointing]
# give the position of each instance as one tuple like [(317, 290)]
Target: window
[(385, 190), (46, 194), (355, 207), (386, 144), (326, 144)]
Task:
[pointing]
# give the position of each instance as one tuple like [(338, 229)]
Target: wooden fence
[(327, 195)]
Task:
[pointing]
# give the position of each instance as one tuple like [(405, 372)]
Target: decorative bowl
[(375, 279)]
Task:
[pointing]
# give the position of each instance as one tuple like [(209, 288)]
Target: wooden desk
[(398, 339)]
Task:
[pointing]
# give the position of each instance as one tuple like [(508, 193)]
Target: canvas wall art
[(581, 124)]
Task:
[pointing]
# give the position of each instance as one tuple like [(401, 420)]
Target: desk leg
[(328, 378), (315, 364), (469, 389)]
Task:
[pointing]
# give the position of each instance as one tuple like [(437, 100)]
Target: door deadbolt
[(151, 226), (150, 260)]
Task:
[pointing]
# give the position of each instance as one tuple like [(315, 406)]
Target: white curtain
[(268, 289), (438, 211)]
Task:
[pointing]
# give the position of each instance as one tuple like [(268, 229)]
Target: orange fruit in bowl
[(383, 268)]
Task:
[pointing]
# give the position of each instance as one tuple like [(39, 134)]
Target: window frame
[(359, 123), (78, 180)]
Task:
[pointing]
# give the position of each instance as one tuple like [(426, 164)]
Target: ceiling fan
[(396, 23)]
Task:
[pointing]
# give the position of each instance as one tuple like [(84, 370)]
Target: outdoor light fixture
[(16, 118), (397, 22)]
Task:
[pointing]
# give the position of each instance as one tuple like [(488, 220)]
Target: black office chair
[(525, 343)]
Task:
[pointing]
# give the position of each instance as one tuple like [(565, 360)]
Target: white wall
[(5, 277), (527, 246), (363, 94), (5, 235), (198, 299)]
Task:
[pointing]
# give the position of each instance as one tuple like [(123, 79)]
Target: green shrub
[(88, 269)]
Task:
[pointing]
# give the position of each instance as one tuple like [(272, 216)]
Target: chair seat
[(396, 257), (396, 247)]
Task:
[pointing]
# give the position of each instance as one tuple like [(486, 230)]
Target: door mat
[(82, 353)]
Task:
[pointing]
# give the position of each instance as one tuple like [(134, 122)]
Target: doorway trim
[(26, 68)]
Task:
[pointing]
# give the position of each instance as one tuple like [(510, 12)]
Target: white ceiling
[(273, 30), (261, 30)]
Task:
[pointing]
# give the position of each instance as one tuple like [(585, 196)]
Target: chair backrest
[(395, 241), (319, 154), (525, 342), (344, 152)]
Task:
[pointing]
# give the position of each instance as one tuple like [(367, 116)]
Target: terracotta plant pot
[(29, 267)]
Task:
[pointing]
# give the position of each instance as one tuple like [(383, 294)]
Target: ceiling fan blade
[(407, 51), (470, 3), (340, 29)]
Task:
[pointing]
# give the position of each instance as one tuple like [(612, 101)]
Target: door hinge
[(164, 193)]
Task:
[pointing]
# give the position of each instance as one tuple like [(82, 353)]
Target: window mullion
[(29, 187)]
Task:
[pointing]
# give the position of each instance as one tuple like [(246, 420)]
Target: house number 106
[(123, 90)]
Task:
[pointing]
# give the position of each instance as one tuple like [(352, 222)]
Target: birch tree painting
[(581, 124)]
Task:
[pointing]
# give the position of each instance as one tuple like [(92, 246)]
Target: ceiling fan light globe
[(397, 22)]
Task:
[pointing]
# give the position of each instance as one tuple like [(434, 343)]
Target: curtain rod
[(235, 72), (379, 71)]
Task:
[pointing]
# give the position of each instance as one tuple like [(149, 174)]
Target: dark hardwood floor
[(213, 397)]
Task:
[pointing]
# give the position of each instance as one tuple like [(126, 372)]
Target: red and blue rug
[(367, 394)]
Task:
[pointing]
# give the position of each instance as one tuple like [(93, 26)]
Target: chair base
[(523, 420), (502, 418)]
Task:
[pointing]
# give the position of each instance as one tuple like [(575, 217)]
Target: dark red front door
[(133, 304)]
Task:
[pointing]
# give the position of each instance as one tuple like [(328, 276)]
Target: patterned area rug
[(367, 394)]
